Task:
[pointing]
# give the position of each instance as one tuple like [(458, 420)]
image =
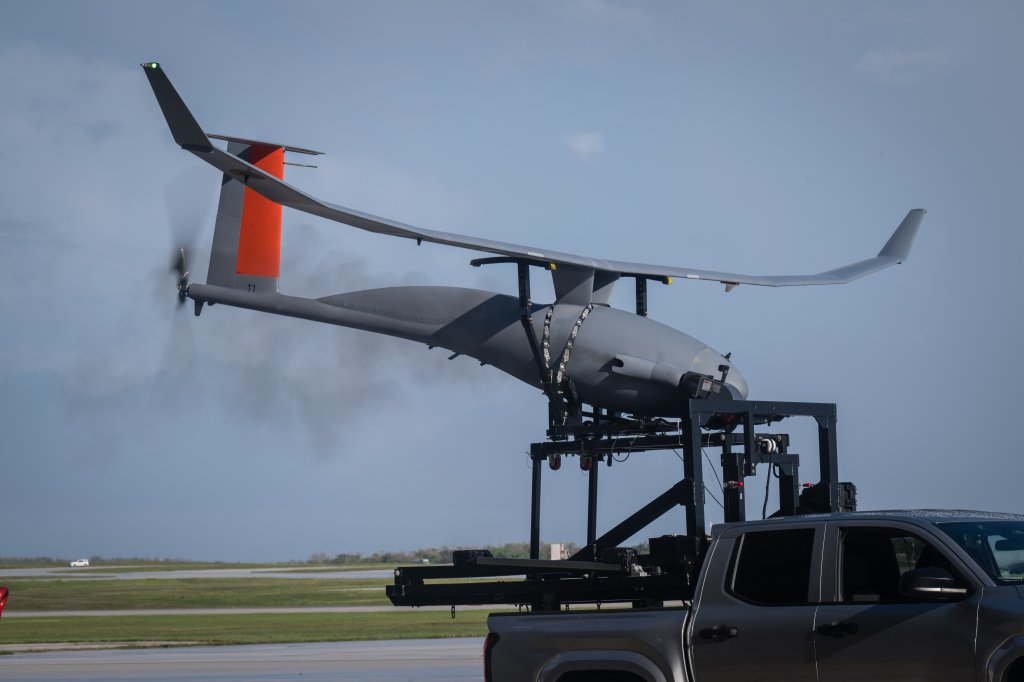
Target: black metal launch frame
[(602, 572)]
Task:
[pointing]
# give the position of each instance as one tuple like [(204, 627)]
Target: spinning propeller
[(187, 198), (178, 266)]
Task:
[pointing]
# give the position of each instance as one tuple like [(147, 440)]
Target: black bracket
[(705, 423), (641, 296), (559, 407), (604, 572), (477, 262), (641, 291)]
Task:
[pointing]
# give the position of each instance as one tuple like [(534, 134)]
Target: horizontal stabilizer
[(261, 143)]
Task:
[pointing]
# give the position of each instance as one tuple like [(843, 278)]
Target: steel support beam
[(679, 494), (537, 460), (732, 479), (828, 457), (595, 466), (693, 468)]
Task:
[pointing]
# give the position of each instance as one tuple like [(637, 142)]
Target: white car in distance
[(79, 563)]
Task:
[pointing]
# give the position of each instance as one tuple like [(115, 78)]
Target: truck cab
[(908, 595), (898, 595)]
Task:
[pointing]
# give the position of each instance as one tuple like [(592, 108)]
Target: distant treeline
[(31, 560), (441, 555), (433, 555)]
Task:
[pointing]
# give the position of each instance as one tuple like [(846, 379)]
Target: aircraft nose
[(710, 363), (736, 384)]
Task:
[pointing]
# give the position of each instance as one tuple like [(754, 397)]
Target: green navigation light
[(152, 65)]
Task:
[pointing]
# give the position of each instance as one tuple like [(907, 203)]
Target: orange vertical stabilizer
[(259, 241)]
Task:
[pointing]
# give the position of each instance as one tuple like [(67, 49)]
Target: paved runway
[(394, 661)]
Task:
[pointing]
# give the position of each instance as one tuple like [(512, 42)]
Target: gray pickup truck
[(897, 595)]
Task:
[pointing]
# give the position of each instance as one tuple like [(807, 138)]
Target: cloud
[(585, 144), (86, 291), (901, 66), (620, 16)]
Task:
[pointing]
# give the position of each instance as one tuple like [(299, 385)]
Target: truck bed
[(545, 647)]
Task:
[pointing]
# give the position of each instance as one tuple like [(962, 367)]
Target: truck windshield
[(996, 546)]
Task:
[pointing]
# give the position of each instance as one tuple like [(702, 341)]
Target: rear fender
[(999, 663), (590, 660)]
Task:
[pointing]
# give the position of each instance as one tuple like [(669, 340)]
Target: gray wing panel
[(895, 251), (277, 190), (190, 136)]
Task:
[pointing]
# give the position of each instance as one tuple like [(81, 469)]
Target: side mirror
[(930, 583)]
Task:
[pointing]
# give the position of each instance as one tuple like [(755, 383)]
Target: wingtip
[(184, 129), (902, 238)]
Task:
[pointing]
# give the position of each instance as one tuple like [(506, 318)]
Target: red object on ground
[(4, 594)]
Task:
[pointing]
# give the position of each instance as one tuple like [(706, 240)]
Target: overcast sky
[(764, 138)]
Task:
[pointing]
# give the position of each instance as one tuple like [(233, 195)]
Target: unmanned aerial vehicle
[(579, 350)]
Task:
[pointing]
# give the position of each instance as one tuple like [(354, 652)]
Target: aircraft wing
[(189, 135)]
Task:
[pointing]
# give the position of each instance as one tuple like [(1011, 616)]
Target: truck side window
[(873, 559), (774, 567)]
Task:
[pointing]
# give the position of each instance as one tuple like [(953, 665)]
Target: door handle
[(719, 632), (837, 629)]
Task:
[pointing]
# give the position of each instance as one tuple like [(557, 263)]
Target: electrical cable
[(767, 481), (628, 452), (712, 496), (720, 487), (714, 471)]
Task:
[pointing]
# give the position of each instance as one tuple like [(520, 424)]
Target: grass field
[(191, 593), (133, 566), (247, 629), (80, 593)]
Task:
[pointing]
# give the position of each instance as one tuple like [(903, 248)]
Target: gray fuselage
[(619, 361)]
